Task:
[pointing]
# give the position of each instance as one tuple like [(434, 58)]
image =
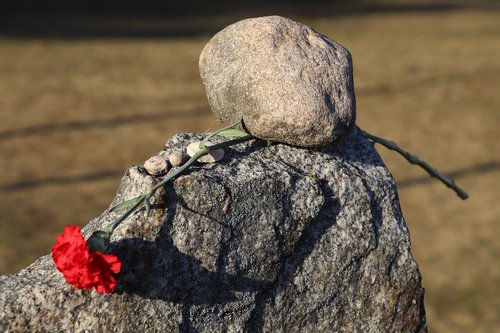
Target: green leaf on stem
[(127, 203), (231, 132)]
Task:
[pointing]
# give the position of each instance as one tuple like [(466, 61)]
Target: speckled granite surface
[(272, 239)]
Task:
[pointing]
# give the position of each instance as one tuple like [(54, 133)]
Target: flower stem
[(145, 197), (433, 172)]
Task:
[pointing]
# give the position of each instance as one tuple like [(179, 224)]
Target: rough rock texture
[(271, 239), (288, 82)]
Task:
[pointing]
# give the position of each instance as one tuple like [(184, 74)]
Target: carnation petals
[(81, 267)]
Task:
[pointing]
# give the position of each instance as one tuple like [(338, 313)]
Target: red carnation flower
[(81, 267)]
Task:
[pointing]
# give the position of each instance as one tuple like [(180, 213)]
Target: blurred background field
[(85, 94)]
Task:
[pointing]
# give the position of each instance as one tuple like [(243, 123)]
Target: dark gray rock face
[(271, 239), (289, 83)]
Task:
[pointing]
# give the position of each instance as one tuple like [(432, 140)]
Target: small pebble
[(212, 157), (156, 166), (177, 158)]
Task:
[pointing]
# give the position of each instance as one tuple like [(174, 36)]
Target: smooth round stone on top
[(289, 83)]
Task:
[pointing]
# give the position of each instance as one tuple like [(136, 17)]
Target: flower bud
[(99, 241)]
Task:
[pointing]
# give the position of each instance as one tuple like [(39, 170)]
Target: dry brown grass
[(428, 80)]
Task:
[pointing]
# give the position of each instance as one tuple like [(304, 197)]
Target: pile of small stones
[(159, 165)]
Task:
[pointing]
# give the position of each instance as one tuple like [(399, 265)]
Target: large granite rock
[(289, 83), (271, 239)]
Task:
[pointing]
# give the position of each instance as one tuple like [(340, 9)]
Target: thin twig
[(415, 160)]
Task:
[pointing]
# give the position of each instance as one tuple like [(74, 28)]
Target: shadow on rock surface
[(158, 270)]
